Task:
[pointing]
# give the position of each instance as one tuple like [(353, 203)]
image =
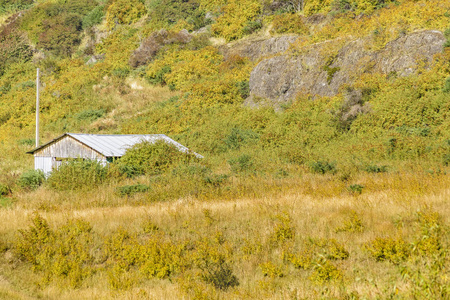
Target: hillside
[(327, 112)]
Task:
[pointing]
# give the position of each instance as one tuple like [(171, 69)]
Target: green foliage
[(393, 250), (446, 88), (31, 179), (94, 17), (376, 169), (77, 174), (130, 190), (153, 157), (323, 167), (166, 13), (90, 114), (356, 188), (4, 190), (240, 137), (242, 163), (11, 6)]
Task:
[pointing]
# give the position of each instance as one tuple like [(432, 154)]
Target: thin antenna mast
[(37, 108)]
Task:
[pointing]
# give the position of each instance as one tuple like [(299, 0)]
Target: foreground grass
[(277, 245)]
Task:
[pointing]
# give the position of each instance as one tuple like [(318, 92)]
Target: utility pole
[(37, 108)]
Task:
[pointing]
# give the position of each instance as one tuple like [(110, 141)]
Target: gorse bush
[(78, 174), (289, 23), (31, 179), (393, 250), (236, 15), (124, 12), (63, 253)]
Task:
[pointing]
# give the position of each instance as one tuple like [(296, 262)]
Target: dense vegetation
[(157, 66)]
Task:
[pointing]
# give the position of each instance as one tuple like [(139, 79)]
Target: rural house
[(101, 147)]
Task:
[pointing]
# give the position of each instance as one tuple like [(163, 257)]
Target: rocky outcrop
[(256, 49), (314, 71)]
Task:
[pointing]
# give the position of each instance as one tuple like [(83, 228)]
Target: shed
[(101, 147)]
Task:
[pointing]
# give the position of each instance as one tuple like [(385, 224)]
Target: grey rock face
[(255, 50), (279, 79)]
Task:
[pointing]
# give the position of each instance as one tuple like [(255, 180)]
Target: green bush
[(153, 158), (4, 190), (94, 17), (31, 179), (376, 169), (243, 163), (78, 174), (356, 188), (288, 23), (322, 167), (90, 114), (130, 190)]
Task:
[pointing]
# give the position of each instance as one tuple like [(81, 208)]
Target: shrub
[(322, 167), (446, 88), (211, 256), (94, 17), (62, 253), (235, 17), (130, 190), (356, 188), (288, 23), (78, 174), (124, 12), (153, 158), (271, 270), (90, 114), (376, 169), (283, 229), (168, 13), (323, 271), (430, 233), (352, 224), (4, 190), (393, 250), (31, 179), (239, 137), (243, 163)]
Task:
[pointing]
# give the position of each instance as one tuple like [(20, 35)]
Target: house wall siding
[(43, 163), (68, 147)]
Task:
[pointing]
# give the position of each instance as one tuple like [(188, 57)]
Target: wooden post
[(37, 108)]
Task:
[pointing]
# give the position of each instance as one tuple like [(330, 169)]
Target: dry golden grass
[(317, 206)]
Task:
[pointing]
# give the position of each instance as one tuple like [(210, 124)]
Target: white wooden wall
[(46, 159), (43, 163)]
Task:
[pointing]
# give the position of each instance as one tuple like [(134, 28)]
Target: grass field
[(313, 239)]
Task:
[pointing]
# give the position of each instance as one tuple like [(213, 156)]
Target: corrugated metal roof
[(115, 145)]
